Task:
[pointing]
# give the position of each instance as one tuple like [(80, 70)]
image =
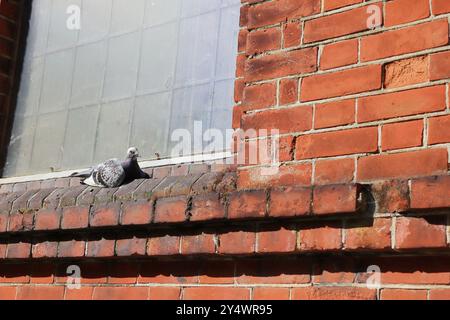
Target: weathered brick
[(403, 294), (328, 144), (417, 232), (406, 72), (280, 10), (100, 248), (131, 247), (216, 293), (391, 196), (335, 199), (339, 54), (334, 171), (277, 241), (287, 175), (47, 249), (263, 40), (75, 218), (105, 215), (404, 11), (288, 91), (411, 39), (438, 130), (197, 244), (47, 219), (290, 202), (419, 163), (281, 64), (343, 23), (207, 207), (333, 293), (163, 246), (441, 6), (247, 204), (19, 250), (368, 234), (320, 238), (404, 103), (430, 193), (292, 34), (136, 213), (259, 96), (402, 135), (71, 249), (335, 4), (171, 210), (341, 83), (237, 242)]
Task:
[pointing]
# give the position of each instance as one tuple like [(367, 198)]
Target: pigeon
[(113, 173)]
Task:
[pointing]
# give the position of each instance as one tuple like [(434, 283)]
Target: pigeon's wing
[(110, 174)]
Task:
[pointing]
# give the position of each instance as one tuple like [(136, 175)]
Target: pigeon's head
[(133, 153)]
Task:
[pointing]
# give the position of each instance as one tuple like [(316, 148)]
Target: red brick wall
[(364, 121), (354, 104)]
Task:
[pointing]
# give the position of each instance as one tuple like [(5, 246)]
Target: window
[(132, 73)]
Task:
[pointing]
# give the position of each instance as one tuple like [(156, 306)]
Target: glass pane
[(133, 72)]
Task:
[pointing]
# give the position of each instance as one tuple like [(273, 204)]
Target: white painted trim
[(144, 164)]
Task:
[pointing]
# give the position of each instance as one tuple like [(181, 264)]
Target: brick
[(440, 294), (216, 293), (438, 130), (335, 199), (265, 271), (281, 64), (290, 202), (419, 163), (292, 34), (19, 250), (237, 242), (417, 232), (285, 120), (71, 249), (100, 248), (333, 293), (287, 175), (322, 238), (391, 196), (411, 39), (75, 218), (402, 135), (334, 171), (363, 235), (242, 40), (198, 244), (280, 11), (40, 293), (403, 103), (120, 293), (334, 114), (341, 83), (247, 204), (334, 271), (339, 54), (171, 210), (259, 96), (404, 11), (20, 221), (407, 72), (207, 207), (335, 4), (336, 143), (403, 294), (441, 6), (288, 91), (164, 293), (131, 247), (271, 293), (46, 249), (344, 23), (47, 220), (8, 293), (277, 241), (430, 193), (139, 213), (84, 293), (105, 216), (263, 40), (163, 246)]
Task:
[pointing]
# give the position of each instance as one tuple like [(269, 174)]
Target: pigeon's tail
[(82, 174)]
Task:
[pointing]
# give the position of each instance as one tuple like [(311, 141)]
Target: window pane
[(133, 72)]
